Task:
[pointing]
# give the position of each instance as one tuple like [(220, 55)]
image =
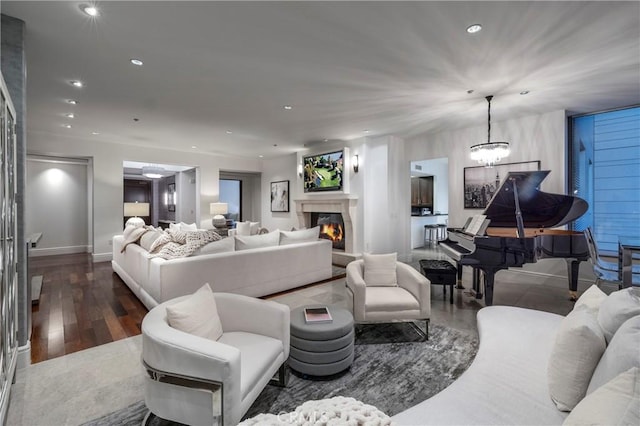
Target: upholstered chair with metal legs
[(391, 293), (201, 381)]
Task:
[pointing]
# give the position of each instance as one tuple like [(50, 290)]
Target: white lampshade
[(136, 209)]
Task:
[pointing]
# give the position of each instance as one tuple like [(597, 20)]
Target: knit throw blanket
[(177, 244)]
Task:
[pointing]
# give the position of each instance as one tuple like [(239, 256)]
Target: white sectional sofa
[(508, 382), (252, 272)]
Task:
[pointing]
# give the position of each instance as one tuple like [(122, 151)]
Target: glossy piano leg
[(488, 287), (477, 288), (459, 285), (573, 268)]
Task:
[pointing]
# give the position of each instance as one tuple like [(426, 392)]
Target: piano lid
[(539, 209)]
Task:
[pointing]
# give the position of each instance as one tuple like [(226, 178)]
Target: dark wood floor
[(82, 305)]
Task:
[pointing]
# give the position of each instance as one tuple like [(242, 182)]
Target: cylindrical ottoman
[(321, 349)]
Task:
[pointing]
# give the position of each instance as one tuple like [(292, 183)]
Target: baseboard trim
[(102, 257), (24, 356), (38, 252)]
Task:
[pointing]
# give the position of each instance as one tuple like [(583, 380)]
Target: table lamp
[(134, 210), (218, 209)]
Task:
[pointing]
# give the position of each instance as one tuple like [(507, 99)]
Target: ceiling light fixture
[(137, 62), (76, 83), (153, 172), (90, 10), (287, 107), (193, 147), (229, 132), (472, 29), (95, 133), (489, 153), (365, 131), (70, 115), (260, 156), (72, 102), (67, 126), (524, 92)]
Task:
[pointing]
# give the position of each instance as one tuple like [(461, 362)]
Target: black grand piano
[(514, 230)]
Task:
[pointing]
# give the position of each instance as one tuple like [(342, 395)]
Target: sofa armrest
[(355, 283), (252, 315), (417, 284)]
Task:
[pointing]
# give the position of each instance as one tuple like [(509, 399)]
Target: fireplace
[(331, 228)]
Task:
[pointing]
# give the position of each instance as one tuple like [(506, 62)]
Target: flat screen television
[(323, 172)]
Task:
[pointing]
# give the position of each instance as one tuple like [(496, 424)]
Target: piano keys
[(520, 217)]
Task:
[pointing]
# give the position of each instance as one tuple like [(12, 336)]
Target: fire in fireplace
[(331, 228)]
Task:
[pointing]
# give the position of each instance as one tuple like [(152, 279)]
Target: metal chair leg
[(282, 378)]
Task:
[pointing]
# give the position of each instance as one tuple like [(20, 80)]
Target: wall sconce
[(300, 170), (355, 163)]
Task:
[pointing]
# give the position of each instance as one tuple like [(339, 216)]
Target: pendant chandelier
[(489, 153)]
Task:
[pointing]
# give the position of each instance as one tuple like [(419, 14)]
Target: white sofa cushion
[(617, 308), (579, 344), (380, 270), (592, 298), (390, 299), (615, 403), (221, 246), (149, 237), (246, 242), (301, 236), (197, 315), (622, 353)]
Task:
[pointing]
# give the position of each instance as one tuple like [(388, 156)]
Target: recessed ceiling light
[(68, 126), (365, 131), (90, 10), (325, 140), (471, 29), (193, 147), (70, 115), (260, 156), (524, 92), (470, 91), (229, 132), (72, 102), (76, 83), (137, 62), (287, 107), (95, 133)]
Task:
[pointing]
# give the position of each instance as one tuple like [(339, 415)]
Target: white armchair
[(198, 381), (409, 301)]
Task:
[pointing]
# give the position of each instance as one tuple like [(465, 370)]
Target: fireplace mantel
[(347, 206)]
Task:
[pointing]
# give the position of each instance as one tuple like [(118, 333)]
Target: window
[(605, 171), (231, 193)]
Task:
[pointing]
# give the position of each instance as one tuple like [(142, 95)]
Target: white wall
[(107, 177), (57, 205), (187, 196), (277, 169)]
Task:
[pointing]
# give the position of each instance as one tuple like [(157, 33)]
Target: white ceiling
[(399, 68)]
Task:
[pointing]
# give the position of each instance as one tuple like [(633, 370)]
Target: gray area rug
[(392, 370)]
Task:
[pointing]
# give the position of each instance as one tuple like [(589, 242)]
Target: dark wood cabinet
[(422, 192)]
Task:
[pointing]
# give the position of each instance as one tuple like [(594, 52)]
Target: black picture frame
[(280, 196), (480, 183)]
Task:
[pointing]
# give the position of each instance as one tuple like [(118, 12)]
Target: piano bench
[(440, 272)]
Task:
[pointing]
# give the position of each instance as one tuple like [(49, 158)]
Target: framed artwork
[(480, 183), (171, 196), (280, 196)]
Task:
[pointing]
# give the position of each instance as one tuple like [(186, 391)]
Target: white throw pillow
[(197, 314), (149, 237), (302, 236), (243, 228), (622, 353), (246, 242), (617, 308), (592, 298), (380, 270), (578, 347), (188, 227), (221, 246), (254, 227), (615, 403)]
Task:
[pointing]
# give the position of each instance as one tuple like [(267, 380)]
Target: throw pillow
[(222, 246), (615, 403), (197, 315), (188, 227), (592, 298), (174, 226), (577, 349), (617, 308), (254, 227), (622, 353), (302, 236), (380, 270), (243, 228), (149, 237), (246, 242)]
